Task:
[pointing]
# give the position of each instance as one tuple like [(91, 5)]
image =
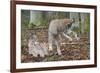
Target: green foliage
[(31, 25), (76, 29), (87, 26), (25, 18), (84, 27), (41, 18)]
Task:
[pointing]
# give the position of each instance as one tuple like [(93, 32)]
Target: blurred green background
[(31, 19)]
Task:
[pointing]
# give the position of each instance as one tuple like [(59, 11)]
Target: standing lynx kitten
[(57, 28)]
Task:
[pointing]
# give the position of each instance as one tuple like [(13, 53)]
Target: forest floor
[(75, 50)]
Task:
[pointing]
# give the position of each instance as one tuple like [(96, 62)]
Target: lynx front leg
[(67, 36)]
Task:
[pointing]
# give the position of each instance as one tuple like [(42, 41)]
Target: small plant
[(31, 25)]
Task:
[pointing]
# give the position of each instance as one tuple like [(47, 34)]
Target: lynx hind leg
[(58, 47), (50, 47), (50, 42)]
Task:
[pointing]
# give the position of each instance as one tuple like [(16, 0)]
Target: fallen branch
[(74, 43)]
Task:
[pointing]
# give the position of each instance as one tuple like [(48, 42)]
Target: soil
[(75, 50)]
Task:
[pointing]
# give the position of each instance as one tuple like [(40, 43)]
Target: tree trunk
[(75, 16), (83, 19), (35, 17)]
